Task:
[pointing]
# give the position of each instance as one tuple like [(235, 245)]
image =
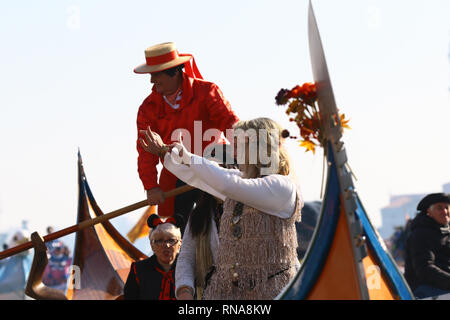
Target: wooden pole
[(87, 223)]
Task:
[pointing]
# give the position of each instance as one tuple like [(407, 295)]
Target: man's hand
[(152, 142), (155, 196)]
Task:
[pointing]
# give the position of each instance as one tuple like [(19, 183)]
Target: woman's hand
[(185, 293), (152, 142)]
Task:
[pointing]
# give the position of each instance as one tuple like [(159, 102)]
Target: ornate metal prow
[(36, 289)]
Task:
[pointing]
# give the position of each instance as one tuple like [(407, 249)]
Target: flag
[(141, 229)]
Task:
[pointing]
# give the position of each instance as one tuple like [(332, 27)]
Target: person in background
[(19, 237), (427, 262), (153, 278), (59, 261), (180, 100)]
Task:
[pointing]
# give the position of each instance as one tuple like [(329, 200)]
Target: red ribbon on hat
[(167, 57), (190, 66)]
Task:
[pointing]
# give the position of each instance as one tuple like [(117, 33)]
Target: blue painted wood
[(323, 237), (384, 259)]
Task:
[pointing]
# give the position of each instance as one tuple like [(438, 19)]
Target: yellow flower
[(309, 145), (344, 122)]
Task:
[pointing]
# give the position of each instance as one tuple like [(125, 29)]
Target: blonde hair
[(165, 228), (272, 139)]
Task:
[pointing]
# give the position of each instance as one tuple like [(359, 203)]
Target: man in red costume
[(180, 101)]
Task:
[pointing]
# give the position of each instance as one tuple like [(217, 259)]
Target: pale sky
[(67, 81)]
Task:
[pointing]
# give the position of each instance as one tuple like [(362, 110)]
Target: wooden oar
[(87, 223)]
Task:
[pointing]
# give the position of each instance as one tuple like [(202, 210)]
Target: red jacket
[(200, 101)]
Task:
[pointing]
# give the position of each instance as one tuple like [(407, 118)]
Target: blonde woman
[(256, 256)]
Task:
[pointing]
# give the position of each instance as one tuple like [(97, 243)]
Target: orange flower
[(301, 101), (296, 92), (309, 89), (309, 93)]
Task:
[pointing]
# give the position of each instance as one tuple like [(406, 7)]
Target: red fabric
[(171, 220), (135, 273), (153, 61), (200, 101), (191, 67), (166, 284), (158, 221)]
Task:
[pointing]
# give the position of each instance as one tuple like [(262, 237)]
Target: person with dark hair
[(153, 278), (427, 261), (179, 101), (201, 239), (200, 244)]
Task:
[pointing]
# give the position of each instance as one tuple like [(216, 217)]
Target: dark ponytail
[(200, 216)]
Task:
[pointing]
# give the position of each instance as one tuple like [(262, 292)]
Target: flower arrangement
[(302, 104)]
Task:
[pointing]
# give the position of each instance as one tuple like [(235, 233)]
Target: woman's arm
[(273, 194), (187, 175)]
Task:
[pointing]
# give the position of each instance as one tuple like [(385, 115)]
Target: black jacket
[(144, 281), (427, 260)]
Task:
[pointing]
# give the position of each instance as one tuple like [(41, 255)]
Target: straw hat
[(161, 57)]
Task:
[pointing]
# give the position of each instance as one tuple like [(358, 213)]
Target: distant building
[(446, 188), (400, 208), (397, 212)]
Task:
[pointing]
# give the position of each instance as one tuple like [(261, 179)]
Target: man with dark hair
[(427, 261), (180, 101)]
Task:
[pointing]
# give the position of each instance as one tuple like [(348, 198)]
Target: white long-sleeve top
[(274, 194)]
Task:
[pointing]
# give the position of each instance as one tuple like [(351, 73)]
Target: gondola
[(102, 256), (101, 253), (101, 260), (347, 259)]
